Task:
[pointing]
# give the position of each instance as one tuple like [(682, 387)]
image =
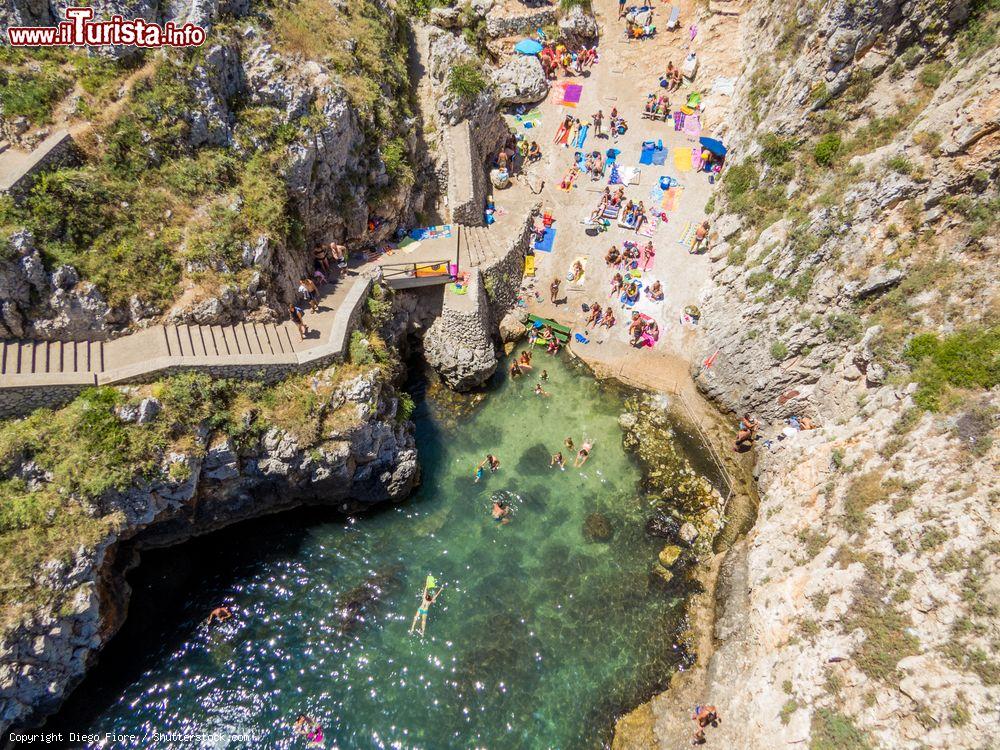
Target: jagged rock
[(688, 532), (512, 326), (879, 280), (148, 409), (842, 44), (521, 81), (663, 526), (445, 17), (65, 277), (578, 26)]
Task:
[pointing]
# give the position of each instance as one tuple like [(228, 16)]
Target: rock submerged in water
[(669, 554), (597, 528), (663, 526)]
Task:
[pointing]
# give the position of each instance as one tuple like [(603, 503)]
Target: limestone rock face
[(371, 461), (521, 81), (36, 304), (512, 326), (579, 26)]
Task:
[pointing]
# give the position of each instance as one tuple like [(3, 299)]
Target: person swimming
[(501, 512), (544, 375), (584, 453), (219, 613), (539, 391), (558, 460), (426, 600), (491, 461)]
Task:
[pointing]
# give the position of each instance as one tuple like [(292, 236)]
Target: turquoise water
[(539, 639)]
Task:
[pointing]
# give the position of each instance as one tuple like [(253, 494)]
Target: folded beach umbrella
[(713, 146), (528, 47)]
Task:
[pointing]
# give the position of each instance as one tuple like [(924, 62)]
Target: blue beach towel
[(612, 155), (581, 338), (582, 138), (545, 244)]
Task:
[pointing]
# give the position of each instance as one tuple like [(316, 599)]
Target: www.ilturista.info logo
[(80, 30)]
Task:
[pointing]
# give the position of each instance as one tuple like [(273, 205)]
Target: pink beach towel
[(696, 159), (692, 126)]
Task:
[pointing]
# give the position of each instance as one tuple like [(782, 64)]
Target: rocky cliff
[(854, 256), (853, 267), (338, 437), (207, 176)]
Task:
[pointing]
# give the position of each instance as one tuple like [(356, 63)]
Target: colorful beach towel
[(582, 138), (696, 159), (671, 198), (431, 233), (653, 153), (687, 236), (682, 159), (692, 126), (571, 94), (615, 177), (679, 118), (545, 244)]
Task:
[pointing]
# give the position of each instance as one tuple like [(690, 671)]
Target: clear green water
[(539, 639)]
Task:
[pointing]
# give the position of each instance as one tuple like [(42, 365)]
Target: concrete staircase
[(480, 242), (58, 357), (36, 373)]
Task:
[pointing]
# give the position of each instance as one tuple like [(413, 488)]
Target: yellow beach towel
[(569, 274), (682, 159), (529, 265)]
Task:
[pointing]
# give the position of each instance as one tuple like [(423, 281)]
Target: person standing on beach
[(598, 119), (554, 290)]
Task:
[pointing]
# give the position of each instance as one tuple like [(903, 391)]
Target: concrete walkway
[(267, 347)]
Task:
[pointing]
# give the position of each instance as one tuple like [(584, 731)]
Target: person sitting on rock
[(747, 432), (534, 152), (613, 257), (703, 717)]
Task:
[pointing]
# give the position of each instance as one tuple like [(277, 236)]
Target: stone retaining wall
[(20, 395), (500, 26), (502, 278), (55, 151)]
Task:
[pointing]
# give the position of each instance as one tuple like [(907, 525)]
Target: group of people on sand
[(672, 78), (643, 330), (557, 58), (657, 107)]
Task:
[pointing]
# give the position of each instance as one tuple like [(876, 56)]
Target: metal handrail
[(409, 270)]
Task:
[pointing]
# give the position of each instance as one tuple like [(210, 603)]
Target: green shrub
[(406, 407), (466, 80), (396, 161), (33, 93), (862, 493), (779, 350), (832, 730), (932, 74), (776, 150), (900, 164), (741, 179), (827, 149), (843, 327), (887, 640), (982, 29), (965, 359)]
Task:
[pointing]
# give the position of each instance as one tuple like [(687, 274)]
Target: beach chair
[(675, 18)]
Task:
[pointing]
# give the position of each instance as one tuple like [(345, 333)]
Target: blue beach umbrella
[(528, 47), (713, 146)]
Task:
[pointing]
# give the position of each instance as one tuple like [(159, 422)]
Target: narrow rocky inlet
[(224, 270)]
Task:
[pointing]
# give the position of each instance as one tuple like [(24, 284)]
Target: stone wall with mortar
[(502, 277), (526, 23)]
